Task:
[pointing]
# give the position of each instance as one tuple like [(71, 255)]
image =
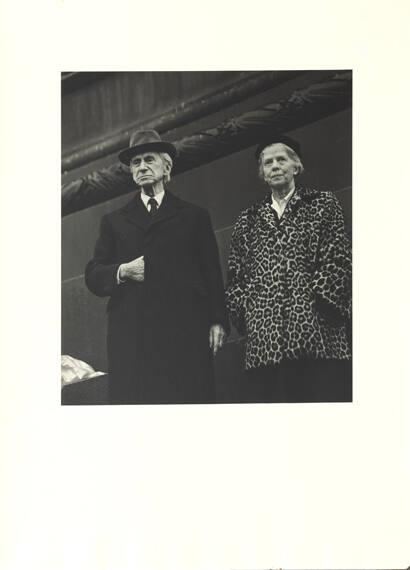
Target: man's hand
[(216, 338), (133, 270)]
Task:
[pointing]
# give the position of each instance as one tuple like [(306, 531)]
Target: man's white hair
[(291, 154), (167, 161)]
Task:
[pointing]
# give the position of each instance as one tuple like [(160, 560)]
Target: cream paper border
[(203, 487)]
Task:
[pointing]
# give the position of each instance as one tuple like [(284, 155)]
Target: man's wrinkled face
[(147, 169), (278, 168)]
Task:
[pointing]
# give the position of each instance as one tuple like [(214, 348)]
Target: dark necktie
[(153, 206)]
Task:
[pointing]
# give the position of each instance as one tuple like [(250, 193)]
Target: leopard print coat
[(289, 280)]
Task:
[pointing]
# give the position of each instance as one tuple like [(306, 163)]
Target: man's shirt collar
[(158, 197)]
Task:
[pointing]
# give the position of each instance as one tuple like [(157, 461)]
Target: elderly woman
[(289, 285)]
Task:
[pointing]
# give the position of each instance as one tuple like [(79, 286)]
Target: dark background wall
[(112, 101), (224, 186)]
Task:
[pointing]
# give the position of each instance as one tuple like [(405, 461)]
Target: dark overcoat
[(158, 329), (289, 281)]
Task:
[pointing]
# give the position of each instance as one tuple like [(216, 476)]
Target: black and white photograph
[(206, 237), (205, 306)]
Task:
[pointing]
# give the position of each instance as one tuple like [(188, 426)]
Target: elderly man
[(289, 285), (157, 260)]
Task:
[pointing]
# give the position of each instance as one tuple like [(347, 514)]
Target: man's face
[(278, 168), (147, 169)]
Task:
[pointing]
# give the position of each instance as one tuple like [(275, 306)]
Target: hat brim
[(126, 155)]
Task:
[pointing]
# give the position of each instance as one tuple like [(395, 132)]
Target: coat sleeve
[(211, 269), (333, 273), (235, 291), (101, 271)]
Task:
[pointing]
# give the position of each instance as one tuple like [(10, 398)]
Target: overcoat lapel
[(169, 208), (291, 206), (266, 213), (136, 213)]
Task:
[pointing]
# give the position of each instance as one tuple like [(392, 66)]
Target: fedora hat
[(268, 141), (145, 141)]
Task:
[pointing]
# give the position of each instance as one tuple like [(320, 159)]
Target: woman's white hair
[(291, 154)]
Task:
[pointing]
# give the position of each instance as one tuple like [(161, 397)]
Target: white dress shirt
[(279, 206), (158, 197)]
